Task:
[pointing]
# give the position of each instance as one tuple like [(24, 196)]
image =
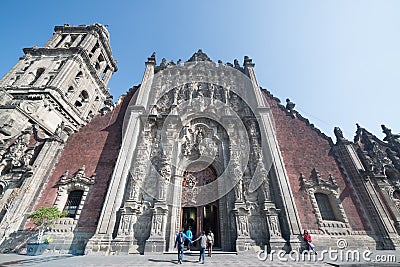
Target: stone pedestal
[(157, 240), (275, 240)]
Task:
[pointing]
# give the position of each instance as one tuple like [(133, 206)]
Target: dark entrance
[(199, 218), (202, 218)]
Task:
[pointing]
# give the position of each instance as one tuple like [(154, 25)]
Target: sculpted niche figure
[(339, 135), (390, 138)]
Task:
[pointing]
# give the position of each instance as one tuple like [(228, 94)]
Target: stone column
[(100, 242), (107, 76), (57, 36), (77, 41), (89, 41), (272, 155), (96, 54), (175, 218)]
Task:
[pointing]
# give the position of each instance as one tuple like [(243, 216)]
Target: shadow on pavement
[(35, 260)]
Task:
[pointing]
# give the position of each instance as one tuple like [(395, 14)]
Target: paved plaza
[(377, 258)]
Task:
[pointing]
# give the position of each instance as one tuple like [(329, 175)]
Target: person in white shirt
[(210, 242)]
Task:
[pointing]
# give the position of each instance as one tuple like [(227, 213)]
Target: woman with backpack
[(203, 243)]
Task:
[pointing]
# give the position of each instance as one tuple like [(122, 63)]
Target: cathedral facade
[(197, 144)]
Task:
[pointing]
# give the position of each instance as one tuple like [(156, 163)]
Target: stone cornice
[(297, 116)]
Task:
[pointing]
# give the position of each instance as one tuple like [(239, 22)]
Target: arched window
[(38, 73), (325, 207), (82, 98), (78, 76), (72, 205)]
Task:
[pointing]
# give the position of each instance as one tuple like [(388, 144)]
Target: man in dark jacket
[(180, 242)]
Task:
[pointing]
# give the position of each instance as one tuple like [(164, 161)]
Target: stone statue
[(212, 93), (243, 229), (226, 95), (339, 134), (290, 105), (390, 138)]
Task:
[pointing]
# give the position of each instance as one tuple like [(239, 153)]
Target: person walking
[(203, 243), (180, 243), (189, 234), (310, 245), (210, 242)]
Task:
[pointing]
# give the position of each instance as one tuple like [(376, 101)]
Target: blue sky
[(338, 60)]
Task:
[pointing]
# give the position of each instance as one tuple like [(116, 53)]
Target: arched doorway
[(199, 217)]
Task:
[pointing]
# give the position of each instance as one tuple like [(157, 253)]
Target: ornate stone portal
[(193, 145)]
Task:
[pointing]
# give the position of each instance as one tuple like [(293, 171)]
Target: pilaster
[(157, 240)]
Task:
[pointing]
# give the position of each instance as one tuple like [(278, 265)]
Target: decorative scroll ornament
[(19, 154), (78, 177), (316, 182)]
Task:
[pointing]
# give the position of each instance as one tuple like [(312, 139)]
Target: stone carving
[(290, 105), (212, 89), (135, 187), (271, 214), (78, 177), (18, 154), (226, 95), (126, 224), (380, 159), (189, 190), (6, 127), (316, 182), (236, 173), (339, 135), (157, 224), (29, 107), (243, 225), (199, 56), (330, 188), (391, 138), (108, 105), (274, 226), (198, 141)]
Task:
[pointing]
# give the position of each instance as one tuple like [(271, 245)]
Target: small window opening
[(72, 205), (325, 207)]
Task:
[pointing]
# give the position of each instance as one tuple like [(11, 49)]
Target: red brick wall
[(96, 146), (303, 148)]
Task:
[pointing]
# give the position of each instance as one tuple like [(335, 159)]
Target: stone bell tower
[(63, 81), (51, 92)]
